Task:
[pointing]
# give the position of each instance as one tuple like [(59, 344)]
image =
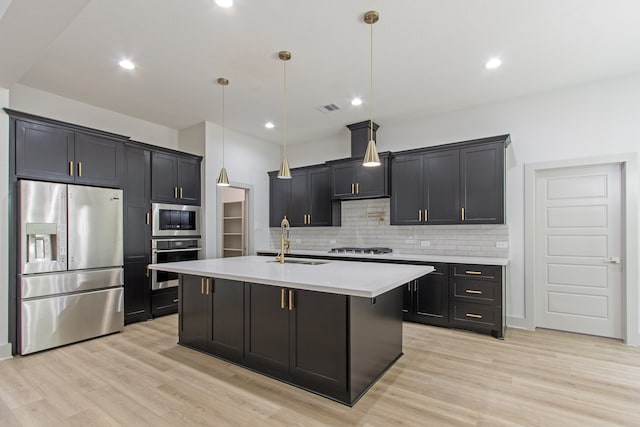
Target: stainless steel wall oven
[(175, 220), (171, 250)]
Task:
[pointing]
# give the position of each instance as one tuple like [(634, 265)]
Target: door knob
[(614, 260)]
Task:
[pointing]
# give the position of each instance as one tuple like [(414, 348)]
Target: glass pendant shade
[(223, 179), (371, 157), (284, 172)]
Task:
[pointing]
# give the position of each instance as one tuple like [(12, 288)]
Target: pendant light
[(223, 179), (284, 172), (371, 157)]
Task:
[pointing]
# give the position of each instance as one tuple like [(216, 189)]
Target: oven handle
[(159, 251)]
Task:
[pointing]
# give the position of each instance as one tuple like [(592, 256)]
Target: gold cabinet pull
[(353, 188), (148, 218), (357, 188), (147, 272), (181, 192), (290, 300), (409, 286), (176, 300), (175, 192), (208, 286), (475, 316), (309, 219), (475, 273), (426, 215), (282, 297), (419, 215), (463, 214), (202, 285), (415, 286), (70, 167), (79, 168), (473, 291)]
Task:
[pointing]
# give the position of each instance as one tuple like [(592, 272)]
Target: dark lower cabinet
[(426, 299), (333, 345), (212, 316), (465, 296), (137, 292), (164, 301)]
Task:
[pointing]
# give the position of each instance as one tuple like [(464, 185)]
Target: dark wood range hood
[(360, 137)]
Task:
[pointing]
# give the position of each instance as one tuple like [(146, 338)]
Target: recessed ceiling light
[(224, 3), (269, 125), (356, 101), (493, 63), (126, 64)]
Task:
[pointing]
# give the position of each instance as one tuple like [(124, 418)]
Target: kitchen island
[(330, 327)]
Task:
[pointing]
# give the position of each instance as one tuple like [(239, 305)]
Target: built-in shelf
[(233, 229)]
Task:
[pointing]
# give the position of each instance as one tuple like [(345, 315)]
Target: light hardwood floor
[(446, 377)]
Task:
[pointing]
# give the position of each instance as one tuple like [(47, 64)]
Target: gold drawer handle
[(176, 300), (475, 316), (290, 300), (282, 296), (202, 285), (473, 291), (473, 272)]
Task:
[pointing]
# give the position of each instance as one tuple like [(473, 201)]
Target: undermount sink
[(301, 261)]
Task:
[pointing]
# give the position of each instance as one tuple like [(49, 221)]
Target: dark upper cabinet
[(279, 194), (99, 161), (137, 233), (44, 152), (175, 178), (351, 180), (450, 185), (482, 184), (60, 154), (305, 198), (425, 188)]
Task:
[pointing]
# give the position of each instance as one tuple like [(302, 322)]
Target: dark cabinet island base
[(333, 345)]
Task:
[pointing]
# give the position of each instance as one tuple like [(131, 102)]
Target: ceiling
[(429, 56)]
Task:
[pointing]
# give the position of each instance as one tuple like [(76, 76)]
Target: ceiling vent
[(329, 108)]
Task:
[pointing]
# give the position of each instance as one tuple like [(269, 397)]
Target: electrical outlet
[(425, 244), (332, 242), (502, 245)]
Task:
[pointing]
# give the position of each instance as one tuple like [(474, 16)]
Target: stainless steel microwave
[(175, 220)]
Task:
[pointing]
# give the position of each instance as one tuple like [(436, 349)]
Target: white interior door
[(578, 265)]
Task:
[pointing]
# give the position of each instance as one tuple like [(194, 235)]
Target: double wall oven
[(176, 237)]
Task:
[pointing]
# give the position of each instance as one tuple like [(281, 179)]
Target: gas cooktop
[(354, 250)]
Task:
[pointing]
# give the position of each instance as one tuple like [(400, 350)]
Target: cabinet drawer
[(477, 290), (486, 272), (164, 302), (478, 315)]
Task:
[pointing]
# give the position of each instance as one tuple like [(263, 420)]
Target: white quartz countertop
[(453, 259), (361, 279)]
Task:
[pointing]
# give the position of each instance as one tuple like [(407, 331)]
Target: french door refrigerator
[(71, 257)]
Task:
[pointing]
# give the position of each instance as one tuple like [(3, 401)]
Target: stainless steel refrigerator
[(71, 257)]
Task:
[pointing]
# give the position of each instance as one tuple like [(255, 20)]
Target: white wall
[(192, 139), (5, 347), (34, 101), (584, 121), (247, 160)]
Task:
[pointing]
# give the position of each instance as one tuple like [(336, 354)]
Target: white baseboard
[(5, 351)]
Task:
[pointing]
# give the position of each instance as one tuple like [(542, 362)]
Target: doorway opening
[(235, 229)]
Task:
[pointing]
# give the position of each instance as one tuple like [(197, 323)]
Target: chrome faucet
[(285, 245)]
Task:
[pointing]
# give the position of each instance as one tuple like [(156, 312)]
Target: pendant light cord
[(284, 111), (223, 126), (371, 90)]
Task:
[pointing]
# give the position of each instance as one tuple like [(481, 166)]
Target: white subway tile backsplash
[(359, 230)]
